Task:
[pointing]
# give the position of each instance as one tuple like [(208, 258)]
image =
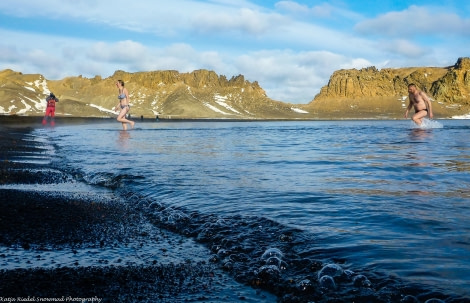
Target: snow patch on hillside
[(298, 110), (212, 107), (102, 108), (221, 100), (467, 116)]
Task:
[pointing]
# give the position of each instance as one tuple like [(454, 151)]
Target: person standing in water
[(50, 109), (123, 105), (420, 101)]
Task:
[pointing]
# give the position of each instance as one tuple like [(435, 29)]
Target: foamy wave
[(428, 124)]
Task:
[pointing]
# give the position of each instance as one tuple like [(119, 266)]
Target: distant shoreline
[(35, 121)]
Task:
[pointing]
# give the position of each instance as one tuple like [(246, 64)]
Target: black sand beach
[(51, 227)]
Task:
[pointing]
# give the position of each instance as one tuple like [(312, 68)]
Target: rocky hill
[(374, 93), (367, 93), (167, 94)]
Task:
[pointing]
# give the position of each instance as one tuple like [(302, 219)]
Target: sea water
[(383, 198)]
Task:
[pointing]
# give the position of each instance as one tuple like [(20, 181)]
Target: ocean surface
[(383, 199)]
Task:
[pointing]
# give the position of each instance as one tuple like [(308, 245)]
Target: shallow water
[(376, 197)]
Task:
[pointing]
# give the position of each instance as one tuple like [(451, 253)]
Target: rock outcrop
[(374, 93), (454, 87)]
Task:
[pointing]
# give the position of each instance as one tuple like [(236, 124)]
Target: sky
[(290, 48)]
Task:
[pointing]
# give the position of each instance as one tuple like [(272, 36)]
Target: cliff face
[(454, 86), (355, 93), (167, 94)]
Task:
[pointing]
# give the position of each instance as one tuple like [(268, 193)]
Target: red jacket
[(51, 101)]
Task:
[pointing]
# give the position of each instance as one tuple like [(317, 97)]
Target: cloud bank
[(290, 48)]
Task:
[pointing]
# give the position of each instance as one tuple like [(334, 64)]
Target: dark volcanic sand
[(61, 240)]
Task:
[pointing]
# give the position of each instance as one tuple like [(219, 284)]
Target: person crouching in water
[(123, 105), (420, 101), (50, 109)]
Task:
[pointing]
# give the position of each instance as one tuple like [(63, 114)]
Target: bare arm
[(410, 105), (127, 95), (428, 103)]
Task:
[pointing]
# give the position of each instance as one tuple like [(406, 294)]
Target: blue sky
[(290, 47)]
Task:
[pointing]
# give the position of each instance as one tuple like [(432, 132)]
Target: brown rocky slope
[(374, 93), (167, 94)]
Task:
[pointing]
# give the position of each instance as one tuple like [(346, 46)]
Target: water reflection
[(123, 139), (417, 160), (420, 134)]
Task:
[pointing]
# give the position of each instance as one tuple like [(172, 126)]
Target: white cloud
[(356, 63), (292, 7), (9, 53), (405, 48), (244, 21), (415, 21), (291, 76), (323, 10), (290, 49), (118, 52)]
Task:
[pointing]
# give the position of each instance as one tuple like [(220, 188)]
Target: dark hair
[(411, 84), (121, 82), (51, 95)]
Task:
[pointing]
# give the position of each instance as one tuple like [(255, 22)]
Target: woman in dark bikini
[(123, 105)]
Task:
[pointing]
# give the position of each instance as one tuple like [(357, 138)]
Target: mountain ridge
[(170, 94), (202, 94)]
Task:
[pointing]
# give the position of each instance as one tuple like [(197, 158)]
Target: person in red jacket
[(50, 109)]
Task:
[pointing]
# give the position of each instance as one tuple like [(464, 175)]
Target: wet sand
[(61, 241)]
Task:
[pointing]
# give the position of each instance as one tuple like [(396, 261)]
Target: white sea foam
[(427, 124)]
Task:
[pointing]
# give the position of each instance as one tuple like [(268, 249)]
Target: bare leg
[(122, 118), (418, 117)]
